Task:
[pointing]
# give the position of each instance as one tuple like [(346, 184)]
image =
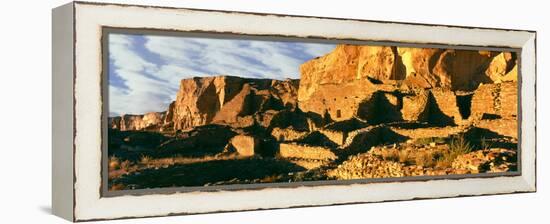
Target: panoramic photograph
[(188, 111)]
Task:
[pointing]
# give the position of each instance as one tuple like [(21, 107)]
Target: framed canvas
[(165, 111)]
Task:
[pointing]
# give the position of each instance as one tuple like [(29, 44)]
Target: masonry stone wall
[(338, 137), (294, 150), (416, 106), (245, 145), (505, 127), (338, 101), (430, 132), (499, 99), (287, 134), (445, 103)]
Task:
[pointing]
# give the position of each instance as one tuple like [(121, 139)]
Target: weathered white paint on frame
[(90, 18)]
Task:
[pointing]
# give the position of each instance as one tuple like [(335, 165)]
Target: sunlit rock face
[(337, 84), (229, 100), (131, 122), (357, 112)]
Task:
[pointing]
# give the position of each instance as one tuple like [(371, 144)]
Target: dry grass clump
[(457, 146), (114, 163), (396, 155), (404, 156), (125, 165), (485, 145), (145, 159), (425, 159), (390, 155)]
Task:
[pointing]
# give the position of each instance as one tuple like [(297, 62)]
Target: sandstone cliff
[(342, 83), (376, 84), (229, 100), (130, 122), (217, 100), (357, 112), (417, 67)]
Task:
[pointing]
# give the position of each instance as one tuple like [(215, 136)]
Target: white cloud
[(234, 57), (144, 94), (317, 49)]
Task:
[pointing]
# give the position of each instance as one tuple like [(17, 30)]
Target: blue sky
[(145, 70)]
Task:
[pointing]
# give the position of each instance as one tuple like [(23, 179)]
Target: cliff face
[(357, 112), (342, 82), (416, 67), (373, 83), (199, 99), (129, 122), (227, 100)]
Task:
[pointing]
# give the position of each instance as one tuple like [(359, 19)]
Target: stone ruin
[(345, 102)]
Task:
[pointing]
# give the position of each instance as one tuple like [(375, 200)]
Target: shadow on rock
[(212, 172)]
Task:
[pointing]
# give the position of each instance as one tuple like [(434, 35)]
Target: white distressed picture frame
[(77, 115)]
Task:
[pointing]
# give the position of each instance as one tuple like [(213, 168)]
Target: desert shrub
[(404, 156), (446, 161), (114, 163), (457, 146), (396, 155), (425, 159), (125, 165), (145, 159), (390, 155)]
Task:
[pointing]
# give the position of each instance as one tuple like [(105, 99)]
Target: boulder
[(363, 139)]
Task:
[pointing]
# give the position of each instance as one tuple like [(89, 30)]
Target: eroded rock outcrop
[(229, 100), (357, 112), (502, 68), (129, 122), (337, 83)]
